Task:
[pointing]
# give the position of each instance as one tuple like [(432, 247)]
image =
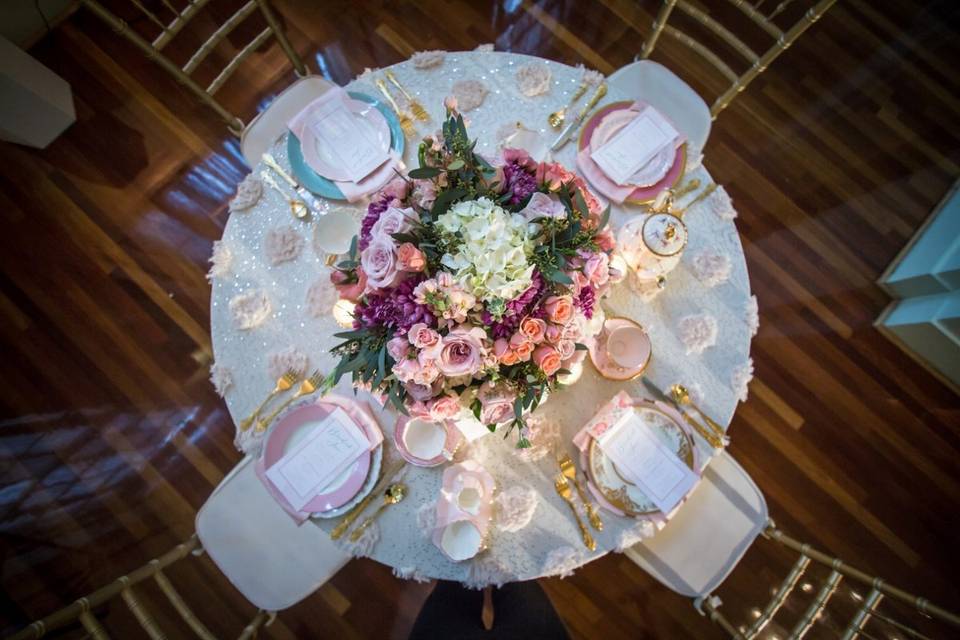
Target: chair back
[(864, 620), (709, 534), (753, 10), (82, 611), (183, 74)]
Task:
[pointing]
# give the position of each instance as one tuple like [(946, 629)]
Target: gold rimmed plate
[(610, 483)]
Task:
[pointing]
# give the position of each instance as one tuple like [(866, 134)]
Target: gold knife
[(705, 433), (378, 490), (567, 133)]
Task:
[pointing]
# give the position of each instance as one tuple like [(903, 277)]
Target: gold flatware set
[(570, 130), (563, 489), (711, 431), (568, 475), (406, 122), (394, 492), (284, 383), (418, 111)]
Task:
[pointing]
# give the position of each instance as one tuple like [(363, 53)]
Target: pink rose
[(405, 370), (579, 282), (597, 269), (553, 333), (554, 174), (424, 193), (461, 352), (418, 409), (450, 103), (496, 403), (605, 240), (559, 308), (398, 348), (349, 290), (566, 348), (547, 358), (534, 329), (521, 346), (423, 392), (444, 407), (392, 221), (427, 373), (379, 262), (542, 205), (520, 157), (395, 189), (421, 336), (500, 346), (411, 259)]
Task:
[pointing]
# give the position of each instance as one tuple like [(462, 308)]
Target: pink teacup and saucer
[(622, 350), (426, 443)]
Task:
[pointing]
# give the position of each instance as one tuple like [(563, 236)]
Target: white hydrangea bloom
[(490, 260)]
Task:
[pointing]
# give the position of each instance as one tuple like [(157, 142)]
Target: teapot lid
[(664, 234)]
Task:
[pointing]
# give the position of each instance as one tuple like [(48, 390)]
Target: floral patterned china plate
[(621, 493)]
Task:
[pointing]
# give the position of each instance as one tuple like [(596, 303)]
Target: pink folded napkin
[(360, 413), (596, 176), (352, 190)]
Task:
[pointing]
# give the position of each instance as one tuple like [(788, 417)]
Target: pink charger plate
[(640, 195), (295, 419)]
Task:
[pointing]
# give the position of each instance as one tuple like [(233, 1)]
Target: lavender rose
[(496, 403), (461, 352), (542, 205), (393, 221), (379, 262)]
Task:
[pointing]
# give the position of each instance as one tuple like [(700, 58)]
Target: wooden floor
[(111, 437)]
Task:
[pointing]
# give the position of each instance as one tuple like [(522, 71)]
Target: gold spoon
[(557, 117), (298, 208), (285, 381), (395, 493), (682, 395)]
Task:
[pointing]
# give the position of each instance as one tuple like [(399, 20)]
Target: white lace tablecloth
[(709, 291)]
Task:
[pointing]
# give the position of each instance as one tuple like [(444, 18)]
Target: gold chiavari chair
[(867, 621), (763, 17), (267, 126), (82, 611), (707, 539)]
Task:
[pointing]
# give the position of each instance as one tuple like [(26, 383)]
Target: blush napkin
[(352, 191)]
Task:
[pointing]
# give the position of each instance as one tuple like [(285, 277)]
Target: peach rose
[(533, 328), (522, 346), (547, 358), (559, 309), (349, 290), (409, 258), (509, 357)]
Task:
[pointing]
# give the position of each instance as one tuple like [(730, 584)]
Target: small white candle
[(343, 313)]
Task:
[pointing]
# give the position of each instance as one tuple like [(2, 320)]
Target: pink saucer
[(451, 444), (609, 369), (641, 195), (298, 417)]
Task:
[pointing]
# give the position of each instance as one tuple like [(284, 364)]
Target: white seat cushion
[(270, 124), (656, 85), (268, 558), (708, 536)]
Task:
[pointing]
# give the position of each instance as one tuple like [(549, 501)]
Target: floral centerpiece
[(474, 281)]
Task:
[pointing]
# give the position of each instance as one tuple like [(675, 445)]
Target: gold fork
[(308, 386), (405, 122), (563, 488), (557, 117), (284, 382), (418, 111), (569, 470)]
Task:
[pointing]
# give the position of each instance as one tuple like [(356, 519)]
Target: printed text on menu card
[(635, 145), (645, 461), (310, 466), (349, 138)]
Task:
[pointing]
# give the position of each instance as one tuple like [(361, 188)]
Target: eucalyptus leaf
[(456, 164), (424, 173)]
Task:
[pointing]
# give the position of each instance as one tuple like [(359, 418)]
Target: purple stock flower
[(586, 300), (394, 309), (374, 209), (516, 309), (518, 181)]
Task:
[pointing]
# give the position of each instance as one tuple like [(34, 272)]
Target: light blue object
[(924, 280), (327, 188)]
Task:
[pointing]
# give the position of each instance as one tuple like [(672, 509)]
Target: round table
[(550, 544)]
